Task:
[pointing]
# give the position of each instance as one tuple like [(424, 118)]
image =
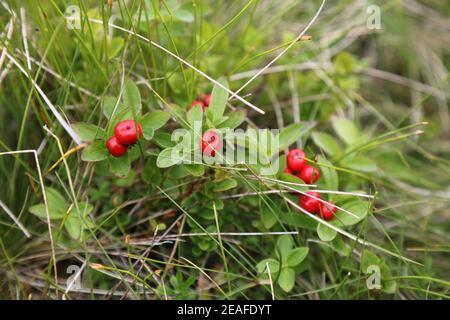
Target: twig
[(24, 36), (349, 235), (203, 234), (14, 218), (270, 281), (50, 105), (282, 52), (184, 62), (44, 195)]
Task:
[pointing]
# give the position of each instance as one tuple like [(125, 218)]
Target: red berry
[(211, 143), (327, 210), (296, 159), (207, 100), (127, 132), (309, 174), (198, 102), (115, 148), (308, 203)]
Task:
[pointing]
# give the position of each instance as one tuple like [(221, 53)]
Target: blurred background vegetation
[(390, 85)]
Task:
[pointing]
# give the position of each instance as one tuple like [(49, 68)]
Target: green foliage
[(291, 134), (346, 130), (88, 132), (359, 210), (153, 121), (326, 233), (169, 10), (371, 263), (330, 176), (172, 229), (327, 143), (225, 185), (75, 217), (96, 151), (219, 97), (283, 266)]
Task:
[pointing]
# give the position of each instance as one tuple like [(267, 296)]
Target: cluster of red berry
[(204, 103), (296, 165), (311, 201), (211, 143), (126, 133)]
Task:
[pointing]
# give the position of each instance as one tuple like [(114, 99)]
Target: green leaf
[(284, 245), (120, 166), (268, 216), (346, 130), (169, 157), (387, 286), (329, 174), (178, 172), (79, 220), (136, 151), (95, 152), (74, 227), (251, 140), (326, 142), (127, 181), (154, 120), (325, 233), (342, 247), (168, 11), (291, 134), (360, 163), (194, 115), (267, 145), (114, 47), (163, 139), (39, 211), (57, 205), (120, 115), (296, 256), (357, 207), (195, 120), (197, 170), (109, 104), (151, 174), (87, 223), (292, 181), (131, 97), (224, 185), (184, 15), (274, 266), (233, 120), (148, 133), (218, 102), (286, 279), (88, 132), (178, 112), (84, 207), (368, 258), (299, 220)]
